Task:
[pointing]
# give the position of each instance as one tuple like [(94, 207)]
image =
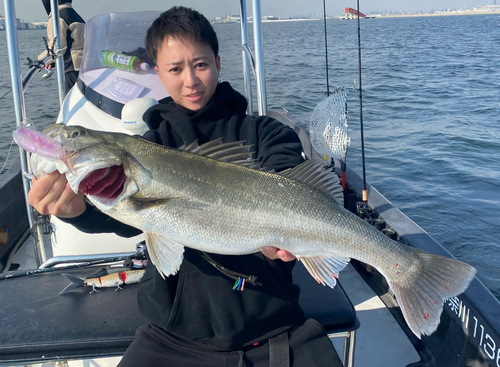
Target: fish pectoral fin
[(165, 253), (324, 269)]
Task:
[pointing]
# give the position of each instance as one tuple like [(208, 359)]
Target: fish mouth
[(105, 183)]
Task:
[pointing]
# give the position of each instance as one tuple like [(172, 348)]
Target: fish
[(212, 198), (103, 280)]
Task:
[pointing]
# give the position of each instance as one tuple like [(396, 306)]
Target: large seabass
[(208, 198)]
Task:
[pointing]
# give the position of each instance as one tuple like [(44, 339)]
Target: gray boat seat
[(38, 324), (34, 318)]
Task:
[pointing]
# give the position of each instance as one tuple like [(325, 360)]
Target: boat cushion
[(37, 323), (330, 307)]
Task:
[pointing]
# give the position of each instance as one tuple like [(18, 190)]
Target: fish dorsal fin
[(313, 173), (233, 152)]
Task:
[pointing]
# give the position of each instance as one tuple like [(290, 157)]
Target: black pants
[(70, 78), (309, 347)]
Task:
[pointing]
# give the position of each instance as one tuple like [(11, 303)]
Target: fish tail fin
[(76, 282), (323, 269), (421, 297)]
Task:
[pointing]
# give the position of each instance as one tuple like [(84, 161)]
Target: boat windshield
[(113, 76)]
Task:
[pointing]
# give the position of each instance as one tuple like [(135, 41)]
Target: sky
[(32, 10)]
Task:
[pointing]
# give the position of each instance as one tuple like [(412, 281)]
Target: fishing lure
[(36, 142), (115, 279)]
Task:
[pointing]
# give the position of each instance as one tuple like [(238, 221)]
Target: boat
[(39, 326)]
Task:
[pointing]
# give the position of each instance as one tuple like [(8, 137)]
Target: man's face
[(189, 71)]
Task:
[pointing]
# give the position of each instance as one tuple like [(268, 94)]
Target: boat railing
[(19, 85), (251, 61), (54, 8), (20, 111), (254, 62)]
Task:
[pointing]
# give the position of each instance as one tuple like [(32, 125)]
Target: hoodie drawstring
[(241, 362)]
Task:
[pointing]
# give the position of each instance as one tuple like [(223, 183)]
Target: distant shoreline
[(468, 12), (378, 16), (465, 12)]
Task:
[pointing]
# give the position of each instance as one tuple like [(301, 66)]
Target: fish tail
[(76, 282), (422, 296)]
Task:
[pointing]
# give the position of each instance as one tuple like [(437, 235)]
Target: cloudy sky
[(32, 10)]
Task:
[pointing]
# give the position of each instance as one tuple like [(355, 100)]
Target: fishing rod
[(365, 193), (10, 90), (328, 126), (53, 269), (326, 50)]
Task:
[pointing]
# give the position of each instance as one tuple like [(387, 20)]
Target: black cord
[(252, 279)]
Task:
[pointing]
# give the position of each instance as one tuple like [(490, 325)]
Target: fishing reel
[(364, 211), (138, 260), (48, 74)]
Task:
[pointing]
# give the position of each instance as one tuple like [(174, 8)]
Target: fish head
[(95, 162)]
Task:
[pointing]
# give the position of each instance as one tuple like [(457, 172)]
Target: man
[(72, 28), (196, 318)]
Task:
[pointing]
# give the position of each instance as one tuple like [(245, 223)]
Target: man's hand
[(275, 253), (52, 194)]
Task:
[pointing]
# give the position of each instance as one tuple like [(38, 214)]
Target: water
[(430, 109)]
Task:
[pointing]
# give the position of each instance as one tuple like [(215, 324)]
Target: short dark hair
[(180, 22)]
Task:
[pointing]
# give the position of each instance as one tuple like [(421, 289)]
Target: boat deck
[(378, 337), (380, 341)]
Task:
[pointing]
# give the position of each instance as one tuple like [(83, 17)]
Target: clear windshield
[(121, 33)]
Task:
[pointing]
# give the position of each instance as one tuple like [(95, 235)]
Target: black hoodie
[(276, 146), (199, 304)]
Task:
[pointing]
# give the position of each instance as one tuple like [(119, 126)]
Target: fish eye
[(77, 133)]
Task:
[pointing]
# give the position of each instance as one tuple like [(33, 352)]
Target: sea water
[(431, 107)]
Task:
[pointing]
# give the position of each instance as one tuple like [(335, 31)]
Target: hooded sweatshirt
[(72, 27), (198, 305)]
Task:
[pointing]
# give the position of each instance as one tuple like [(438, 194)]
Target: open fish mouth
[(105, 183)]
